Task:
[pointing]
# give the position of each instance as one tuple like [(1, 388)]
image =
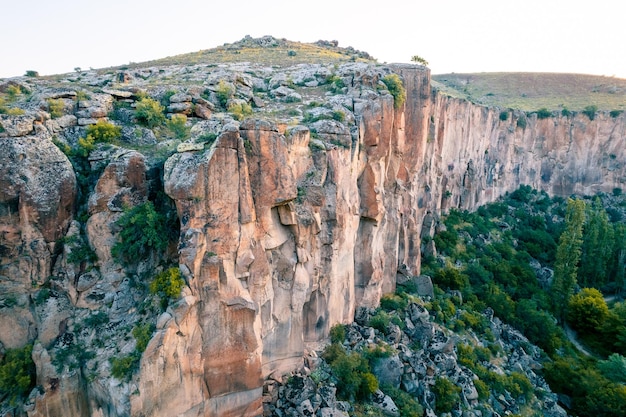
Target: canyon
[(286, 228)]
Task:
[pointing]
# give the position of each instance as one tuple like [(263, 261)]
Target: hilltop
[(530, 91)]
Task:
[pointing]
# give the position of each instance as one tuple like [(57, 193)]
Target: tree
[(587, 310), (597, 247), (419, 60), (567, 257), (614, 368), (618, 264), (17, 373), (143, 230)]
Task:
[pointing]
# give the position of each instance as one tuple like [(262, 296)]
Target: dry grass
[(532, 91), (278, 55)]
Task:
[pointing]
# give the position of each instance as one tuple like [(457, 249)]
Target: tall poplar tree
[(567, 257), (597, 247)]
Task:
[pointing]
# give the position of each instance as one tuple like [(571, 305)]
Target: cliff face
[(284, 231), (475, 157)]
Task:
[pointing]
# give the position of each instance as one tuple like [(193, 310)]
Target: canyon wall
[(284, 232)]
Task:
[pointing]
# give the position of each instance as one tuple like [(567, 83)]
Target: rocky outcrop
[(37, 189), (285, 228)]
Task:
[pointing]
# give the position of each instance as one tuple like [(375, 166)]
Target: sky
[(459, 36)]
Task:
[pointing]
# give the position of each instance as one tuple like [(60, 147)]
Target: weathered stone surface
[(282, 235), (17, 125)]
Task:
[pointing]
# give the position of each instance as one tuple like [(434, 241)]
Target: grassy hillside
[(268, 51), (532, 91)]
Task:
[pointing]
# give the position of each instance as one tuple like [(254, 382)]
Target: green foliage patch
[(142, 231), (396, 88), (17, 374), (149, 113)]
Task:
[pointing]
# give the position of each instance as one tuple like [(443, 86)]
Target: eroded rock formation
[(284, 231)]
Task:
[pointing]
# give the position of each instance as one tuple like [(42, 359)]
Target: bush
[(521, 122), (177, 124), (55, 107), (565, 112), (504, 116), (149, 113), (123, 368), (407, 405), (240, 110), (104, 131), (17, 374), (615, 113), (446, 395), (336, 84), (337, 333), (396, 88), (167, 285), (224, 92), (31, 73), (142, 231), (543, 113), (352, 371), (142, 334), (380, 321), (590, 111)]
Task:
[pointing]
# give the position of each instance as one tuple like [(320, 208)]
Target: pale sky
[(453, 35)]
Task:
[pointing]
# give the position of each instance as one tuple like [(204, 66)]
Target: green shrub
[(85, 146), (565, 112), (336, 84), (337, 333), (17, 374), (352, 372), (177, 124), (167, 285), (504, 115), (396, 88), (31, 73), (240, 110), (13, 91), (407, 405), (142, 334), (142, 231), (104, 131), (124, 367), (390, 302), (615, 113), (224, 92), (521, 122), (338, 115), (590, 111), (81, 253), (149, 113), (96, 319), (380, 321), (55, 107), (543, 113), (207, 138), (447, 395)]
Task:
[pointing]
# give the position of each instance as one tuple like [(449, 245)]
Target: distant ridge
[(530, 91)]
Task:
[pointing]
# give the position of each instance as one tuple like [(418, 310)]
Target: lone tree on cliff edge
[(419, 60)]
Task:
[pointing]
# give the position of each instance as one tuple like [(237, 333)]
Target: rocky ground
[(417, 354)]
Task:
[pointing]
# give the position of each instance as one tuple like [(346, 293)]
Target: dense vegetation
[(495, 256)]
